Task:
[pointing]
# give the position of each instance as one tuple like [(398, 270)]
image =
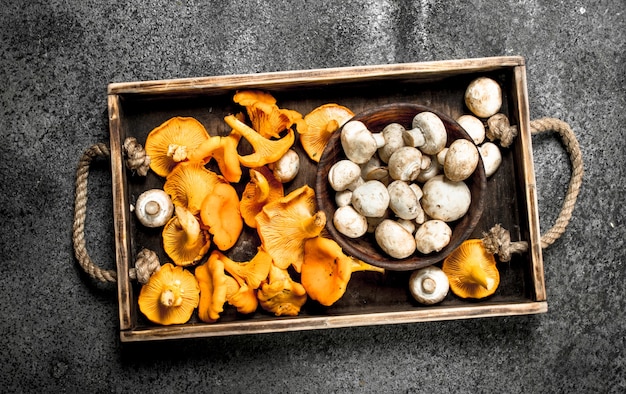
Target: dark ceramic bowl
[(365, 247)]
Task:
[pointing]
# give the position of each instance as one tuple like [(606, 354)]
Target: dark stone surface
[(60, 329)]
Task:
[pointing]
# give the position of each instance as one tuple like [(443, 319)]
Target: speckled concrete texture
[(60, 329)]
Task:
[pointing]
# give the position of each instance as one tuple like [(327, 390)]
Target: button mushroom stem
[(429, 285), (152, 207), (428, 133), (358, 143)]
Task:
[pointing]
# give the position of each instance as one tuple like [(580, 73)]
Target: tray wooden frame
[(129, 106)]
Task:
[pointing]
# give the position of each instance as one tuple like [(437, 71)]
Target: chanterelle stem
[(314, 225), (172, 296)]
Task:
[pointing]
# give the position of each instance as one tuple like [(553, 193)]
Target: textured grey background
[(60, 330)]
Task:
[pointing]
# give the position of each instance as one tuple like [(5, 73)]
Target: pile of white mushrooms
[(404, 185)]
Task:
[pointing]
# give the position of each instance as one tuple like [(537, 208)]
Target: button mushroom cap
[(349, 222), (444, 199), (358, 143), (371, 199), (394, 239), (473, 126), (483, 97), (343, 198), (393, 134), (154, 208), (461, 160), (405, 163), (374, 169), (492, 157), (403, 201), (430, 168), (344, 174), (429, 285), (432, 236), (286, 168), (428, 133)]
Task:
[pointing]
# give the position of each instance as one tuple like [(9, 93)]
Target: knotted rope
[(136, 157), (498, 240), (136, 160)]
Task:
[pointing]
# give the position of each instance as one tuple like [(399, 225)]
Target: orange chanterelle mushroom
[(189, 184), (326, 270), (265, 116), (284, 225), (213, 284), (266, 150), (320, 124), (280, 294), (184, 241), (262, 189), (472, 270), (246, 277), (169, 143), (220, 213), (224, 150), (170, 296)]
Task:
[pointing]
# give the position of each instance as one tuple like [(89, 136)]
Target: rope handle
[(136, 160), (498, 240)]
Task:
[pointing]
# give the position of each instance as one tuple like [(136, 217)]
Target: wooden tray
[(371, 298)]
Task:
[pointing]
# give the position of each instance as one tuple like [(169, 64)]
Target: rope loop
[(498, 240), (136, 160)]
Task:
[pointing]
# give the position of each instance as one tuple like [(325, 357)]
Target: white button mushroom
[(430, 170), (344, 174), (343, 198), (286, 168), (373, 222), (349, 222), (154, 208), (403, 201), (428, 133), (461, 160), (405, 164), (358, 143), (374, 169), (394, 239), (432, 236), (444, 199), (417, 190), (441, 156), (371, 199), (429, 285), (409, 225), (473, 126), (492, 157), (393, 134), (483, 97)]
